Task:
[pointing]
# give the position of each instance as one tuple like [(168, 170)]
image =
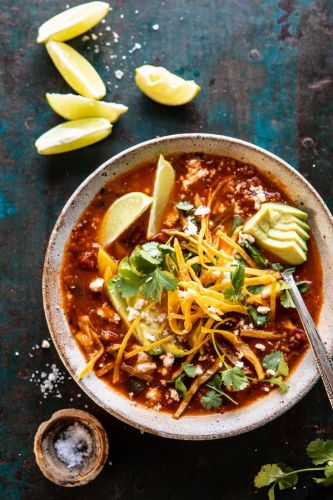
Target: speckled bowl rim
[(213, 426)]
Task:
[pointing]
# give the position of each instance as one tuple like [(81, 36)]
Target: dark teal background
[(266, 71)]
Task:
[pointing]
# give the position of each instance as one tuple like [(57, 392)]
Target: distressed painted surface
[(266, 69)]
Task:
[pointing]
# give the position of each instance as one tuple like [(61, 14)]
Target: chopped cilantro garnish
[(237, 281), (286, 299), (179, 385), (185, 206), (254, 289), (144, 272), (258, 319), (237, 221), (190, 370), (255, 254), (277, 366)]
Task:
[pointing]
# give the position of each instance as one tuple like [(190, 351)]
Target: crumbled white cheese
[(97, 285), (139, 304), (46, 344), (168, 359), (132, 313), (261, 347), (143, 356), (263, 309), (270, 372), (239, 364), (161, 317), (148, 319), (136, 46), (190, 228), (202, 210), (174, 394), (156, 27), (182, 293), (198, 370), (245, 237), (146, 367), (153, 394)]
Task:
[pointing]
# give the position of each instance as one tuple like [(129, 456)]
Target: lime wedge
[(74, 107), (165, 87), (76, 70), (121, 215), (72, 22), (73, 135), (164, 182)]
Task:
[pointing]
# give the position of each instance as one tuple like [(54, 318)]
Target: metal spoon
[(323, 360)]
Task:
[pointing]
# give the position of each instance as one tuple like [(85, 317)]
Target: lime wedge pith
[(164, 182), (165, 87), (76, 70), (74, 107), (121, 215), (73, 135), (72, 22)]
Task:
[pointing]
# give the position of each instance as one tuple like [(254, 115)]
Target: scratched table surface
[(266, 71)]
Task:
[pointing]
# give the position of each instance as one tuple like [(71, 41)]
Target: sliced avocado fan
[(282, 230)]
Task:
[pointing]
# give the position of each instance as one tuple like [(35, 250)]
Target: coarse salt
[(74, 445)]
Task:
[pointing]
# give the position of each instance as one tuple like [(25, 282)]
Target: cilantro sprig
[(231, 378), (237, 277), (145, 272), (286, 298), (320, 452), (277, 367)]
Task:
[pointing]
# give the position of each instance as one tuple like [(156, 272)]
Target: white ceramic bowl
[(188, 427)]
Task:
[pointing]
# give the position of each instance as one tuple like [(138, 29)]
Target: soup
[(194, 318)]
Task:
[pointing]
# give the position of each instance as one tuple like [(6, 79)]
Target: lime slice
[(72, 22), (76, 70), (74, 107), (164, 182), (73, 135), (121, 215), (165, 87)]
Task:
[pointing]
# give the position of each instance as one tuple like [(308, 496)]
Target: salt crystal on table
[(74, 445)]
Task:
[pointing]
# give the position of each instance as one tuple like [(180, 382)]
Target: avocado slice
[(282, 208), (276, 234), (146, 332), (281, 229), (294, 226), (285, 251)]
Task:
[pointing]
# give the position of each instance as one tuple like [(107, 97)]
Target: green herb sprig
[(320, 452), (145, 272)]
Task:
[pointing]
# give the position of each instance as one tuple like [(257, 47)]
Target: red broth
[(196, 175)]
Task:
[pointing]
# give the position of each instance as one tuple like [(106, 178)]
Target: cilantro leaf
[(190, 370), (303, 286), (231, 295), (167, 280), (235, 378), (268, 474), (143, 261), (237, 280), (237, 221), (185, 206), (258, 319), (254, 289), (277, 266), (255, 254), (328, 479), (275, 361), (237, 277), (279, 382), (211, 400), (179, 385), (320, 451), (286, 300)]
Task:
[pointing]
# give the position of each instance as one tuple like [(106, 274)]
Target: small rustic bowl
[(212, 426)]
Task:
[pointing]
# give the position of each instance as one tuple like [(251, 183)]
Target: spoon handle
[(323, 360)]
